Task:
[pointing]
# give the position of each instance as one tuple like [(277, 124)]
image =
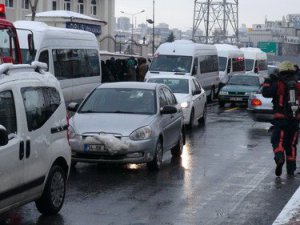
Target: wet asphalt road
[(225, 177)]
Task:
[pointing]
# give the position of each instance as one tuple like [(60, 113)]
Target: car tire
[(177, 150), (221, 103), (202, 120), (156, 163), (54, 192), (192, 120)]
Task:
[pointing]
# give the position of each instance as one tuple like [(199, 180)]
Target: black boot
[(279, 159)]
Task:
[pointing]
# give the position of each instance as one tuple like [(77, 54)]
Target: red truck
[(9, 44)]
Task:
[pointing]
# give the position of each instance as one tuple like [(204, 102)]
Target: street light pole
[(153, 29), (132, 27)]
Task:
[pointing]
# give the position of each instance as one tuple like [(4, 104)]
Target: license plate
[(236, 99), (94, 148)]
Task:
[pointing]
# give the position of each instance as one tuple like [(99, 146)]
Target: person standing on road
[(285, 93)]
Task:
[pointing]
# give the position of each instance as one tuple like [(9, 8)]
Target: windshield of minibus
[(222, 63), (172, 63), (238, 64), (249, 63)]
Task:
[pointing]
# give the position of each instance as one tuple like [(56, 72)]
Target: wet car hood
[(240, 88), (123, 124)]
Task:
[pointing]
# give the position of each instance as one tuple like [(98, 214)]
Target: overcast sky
[(179, 13)]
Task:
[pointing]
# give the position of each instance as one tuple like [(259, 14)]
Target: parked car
[(260, 108), (35, 155), (127, 122), (239, 88), (188, 93)]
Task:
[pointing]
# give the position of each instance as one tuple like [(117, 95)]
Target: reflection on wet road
[(225, 176)]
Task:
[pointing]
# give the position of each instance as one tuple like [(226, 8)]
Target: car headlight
[(141, 134), (185, 104), (223, 93)]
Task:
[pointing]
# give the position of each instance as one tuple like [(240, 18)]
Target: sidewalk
[(290, 214)]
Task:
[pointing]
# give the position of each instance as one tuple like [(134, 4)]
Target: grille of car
[(104, 156), (119, 136), (236, 93)]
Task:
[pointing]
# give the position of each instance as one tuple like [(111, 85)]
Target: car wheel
[(192, 119), (177, 150), (221, 104), (156, 163), (202, 120), (53, 195)]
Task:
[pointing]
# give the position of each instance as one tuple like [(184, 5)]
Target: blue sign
[(96, 29)]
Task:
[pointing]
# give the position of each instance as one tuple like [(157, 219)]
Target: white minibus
[(256, 61), (71, 55), (231, 61), (184, 57)]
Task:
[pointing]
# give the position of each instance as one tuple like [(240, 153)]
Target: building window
[(67, 5), (54, 5), (93, 8), (80, 7), (25, 4), (9, 3)]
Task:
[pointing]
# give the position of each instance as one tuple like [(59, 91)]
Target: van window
[(44, 57), (40, 103), (238, 64), (249, 63), (262, 65), (172, 63), (209, 63), (75, 63), (8, 117), (222, 63)]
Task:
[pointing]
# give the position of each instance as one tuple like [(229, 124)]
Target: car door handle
[(21, 150), (27, 149)]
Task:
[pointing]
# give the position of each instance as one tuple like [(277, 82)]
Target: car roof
[(183, 77), (247, 74), (133, 85), (22, 73)]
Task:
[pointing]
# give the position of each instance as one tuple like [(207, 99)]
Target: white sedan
[(189, 94)]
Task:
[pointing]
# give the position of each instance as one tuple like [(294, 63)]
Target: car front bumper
[(261, 115), (138, 152)]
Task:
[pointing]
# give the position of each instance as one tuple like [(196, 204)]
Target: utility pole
[(216, 15)]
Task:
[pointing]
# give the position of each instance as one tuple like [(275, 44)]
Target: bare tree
[(33, 7)]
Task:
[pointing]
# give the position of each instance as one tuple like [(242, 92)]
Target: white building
[(102, 13)]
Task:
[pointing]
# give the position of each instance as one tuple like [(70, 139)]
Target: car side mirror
[(73, 106), (3, 136), (196, 92), (168, 109)]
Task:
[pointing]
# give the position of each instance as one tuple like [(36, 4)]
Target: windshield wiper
[(120, 111), (89, 111)]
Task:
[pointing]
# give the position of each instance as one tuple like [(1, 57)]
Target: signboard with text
[(267, 47), (96, 29)]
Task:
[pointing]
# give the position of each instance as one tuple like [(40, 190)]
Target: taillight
[(2, 11), (256, 102), (68, 129)]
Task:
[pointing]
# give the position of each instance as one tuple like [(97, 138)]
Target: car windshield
[(249, 64), (176, 85), (222, 63), (172, 63), (244, 80), (120, 100)]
